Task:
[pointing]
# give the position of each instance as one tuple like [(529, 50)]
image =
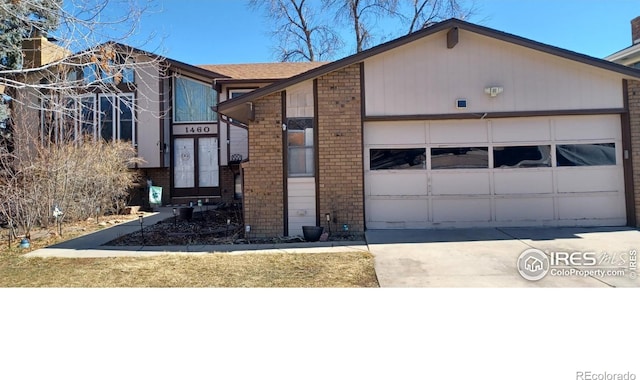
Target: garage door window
[(460, 158), (522, 156), (586, 154), (397, 159)]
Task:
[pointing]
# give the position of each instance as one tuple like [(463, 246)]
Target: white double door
[(195, 164)]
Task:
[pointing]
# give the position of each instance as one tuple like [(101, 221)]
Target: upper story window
[(117, 72), (192, 101), (109, 116)]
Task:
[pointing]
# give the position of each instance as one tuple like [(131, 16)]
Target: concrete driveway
[(488, 257)]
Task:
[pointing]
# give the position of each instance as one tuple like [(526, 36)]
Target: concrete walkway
[(92, 245), (408, 258), (488, 257)]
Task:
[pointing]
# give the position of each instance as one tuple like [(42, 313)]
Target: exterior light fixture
[(493, 91)]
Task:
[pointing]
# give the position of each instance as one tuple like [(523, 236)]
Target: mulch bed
[(212, 226)]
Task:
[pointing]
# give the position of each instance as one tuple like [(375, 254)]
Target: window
[(90, 73), (300, 143), (397, 159), (58, 119), (87, 115), (109, 116), (192, 101), (112, 71), (116, 121), (460, 158), (118, 72), (586, 154), (522, 156)]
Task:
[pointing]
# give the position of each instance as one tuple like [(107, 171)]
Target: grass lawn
[(353, 269)]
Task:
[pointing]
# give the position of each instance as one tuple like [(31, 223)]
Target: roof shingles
[(260, 71)]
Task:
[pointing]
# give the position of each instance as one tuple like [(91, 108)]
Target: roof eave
[(451, 23)]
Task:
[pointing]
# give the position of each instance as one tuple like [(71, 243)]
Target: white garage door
[(561, 171)]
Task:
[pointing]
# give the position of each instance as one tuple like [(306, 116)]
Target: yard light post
[(175, 217), (141, 229), (328, 217)]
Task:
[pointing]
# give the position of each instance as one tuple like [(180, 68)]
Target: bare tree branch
[(302, 33), (423, 13)]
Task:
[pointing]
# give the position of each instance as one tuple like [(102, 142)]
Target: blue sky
[(226, 31)]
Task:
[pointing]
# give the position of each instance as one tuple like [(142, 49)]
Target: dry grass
[(353, 269)]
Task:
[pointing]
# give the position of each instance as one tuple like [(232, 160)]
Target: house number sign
[(194, 129)]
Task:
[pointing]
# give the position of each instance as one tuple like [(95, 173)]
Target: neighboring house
[(629, 56), (165, 109), (454, 125)]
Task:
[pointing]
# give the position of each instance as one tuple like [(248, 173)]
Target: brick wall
[(635, 30), (226, 184), (160, 177), (263, 179), (634, 115), (340, 148)]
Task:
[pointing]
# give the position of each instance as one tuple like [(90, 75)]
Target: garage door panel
[(461, 210), (446, 133), (398, 183), (524, 209), (437, 195), (584, 180), (395, 133), (527, 181), (588, 127), (454, 182), (591, 207), (509, 130), (397, 210)]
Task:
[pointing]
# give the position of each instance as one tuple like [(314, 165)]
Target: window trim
[(305, 148)]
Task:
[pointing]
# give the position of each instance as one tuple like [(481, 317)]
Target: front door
[(195, 167)]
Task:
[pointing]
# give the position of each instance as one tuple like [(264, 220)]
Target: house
[(455, 125), (162, 106), (629, 56)]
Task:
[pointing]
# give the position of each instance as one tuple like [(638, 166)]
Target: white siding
[(148, 113), (301, 204), (424, 77), (300, 100)]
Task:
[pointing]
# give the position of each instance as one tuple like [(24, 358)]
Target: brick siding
[(263, 180), (227, 188), (635, 29), (340, 148)]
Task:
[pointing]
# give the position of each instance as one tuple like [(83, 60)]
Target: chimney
[(635, 30), (38, 51)]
